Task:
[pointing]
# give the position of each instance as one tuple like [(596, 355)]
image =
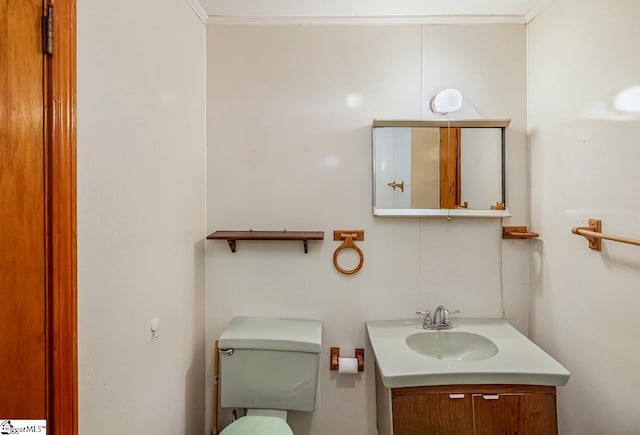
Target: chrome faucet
[(440, 319)]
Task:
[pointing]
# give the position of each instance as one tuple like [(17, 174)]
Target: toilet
[(268, 366)]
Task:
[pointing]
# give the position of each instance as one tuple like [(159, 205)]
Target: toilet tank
[(269, 363)]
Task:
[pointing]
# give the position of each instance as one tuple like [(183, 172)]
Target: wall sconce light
[(447, 101), (628, 100)]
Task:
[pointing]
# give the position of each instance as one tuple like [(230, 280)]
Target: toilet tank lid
[(294, 335)]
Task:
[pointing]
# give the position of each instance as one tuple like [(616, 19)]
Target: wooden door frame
[(60, 161)]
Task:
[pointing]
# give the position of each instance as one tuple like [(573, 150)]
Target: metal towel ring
[(348, 243)]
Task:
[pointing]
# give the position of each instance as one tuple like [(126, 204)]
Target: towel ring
[(348, 244)]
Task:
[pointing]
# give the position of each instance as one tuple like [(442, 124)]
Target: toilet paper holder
[(335, 354)]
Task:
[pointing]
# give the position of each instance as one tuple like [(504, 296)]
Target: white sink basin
[(452, 345), (475, 351)]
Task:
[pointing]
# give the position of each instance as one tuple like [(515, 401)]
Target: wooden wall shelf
[(233, 236), (519, 232)]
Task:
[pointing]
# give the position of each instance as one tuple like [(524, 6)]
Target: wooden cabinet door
[(429, 414), (510, 414)]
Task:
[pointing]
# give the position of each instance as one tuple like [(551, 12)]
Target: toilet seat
[(258, 425)]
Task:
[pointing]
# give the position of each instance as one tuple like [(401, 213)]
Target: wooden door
[(509, 414), (429, 414), (449, 167), (23, 377), (38, 347)]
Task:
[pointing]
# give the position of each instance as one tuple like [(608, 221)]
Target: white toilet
[(269, 366)]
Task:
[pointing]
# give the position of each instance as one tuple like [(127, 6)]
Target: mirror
[(439, 168)]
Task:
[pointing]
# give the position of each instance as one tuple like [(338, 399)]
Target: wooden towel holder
[(593, 233), (349, 236)]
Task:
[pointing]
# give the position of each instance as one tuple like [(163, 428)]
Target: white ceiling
[(270, 11)]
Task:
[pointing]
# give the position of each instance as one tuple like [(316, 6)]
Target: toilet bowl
[(258, 425), (258, 422), (268, 366)]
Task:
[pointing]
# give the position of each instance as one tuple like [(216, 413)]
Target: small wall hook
[(395, 185)]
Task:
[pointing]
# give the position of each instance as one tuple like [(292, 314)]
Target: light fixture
[(447, 101), (628, 100)]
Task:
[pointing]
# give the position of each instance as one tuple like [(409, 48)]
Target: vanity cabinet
[(424, 412), (520, 409), (466, 410)]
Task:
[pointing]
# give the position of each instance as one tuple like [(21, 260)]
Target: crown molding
[(198, 9), (534, 11), (391, 19)]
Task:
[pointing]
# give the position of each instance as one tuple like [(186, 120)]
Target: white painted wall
[(488, 65), (584, 164), (141, 181), (289, 115)]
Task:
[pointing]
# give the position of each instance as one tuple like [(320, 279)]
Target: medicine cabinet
[(439, 168)]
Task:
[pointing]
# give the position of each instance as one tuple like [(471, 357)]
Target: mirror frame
[(447, 212)]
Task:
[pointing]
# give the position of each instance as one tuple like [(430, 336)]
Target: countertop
[(518, 361)]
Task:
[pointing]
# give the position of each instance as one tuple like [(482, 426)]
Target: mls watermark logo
[(10, 427)]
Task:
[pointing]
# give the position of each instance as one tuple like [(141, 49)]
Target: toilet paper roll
[(347, 366)]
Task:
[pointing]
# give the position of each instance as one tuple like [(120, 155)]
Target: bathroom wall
[(584, 156), (289, 113), (141, 217)]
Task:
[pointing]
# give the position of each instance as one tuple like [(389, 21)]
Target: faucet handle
[(446, 319), (426, 320)]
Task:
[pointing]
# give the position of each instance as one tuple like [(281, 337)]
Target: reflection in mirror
[(425, 168), (481, 167)]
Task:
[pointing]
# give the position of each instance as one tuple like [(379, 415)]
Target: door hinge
[(47, 30)]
